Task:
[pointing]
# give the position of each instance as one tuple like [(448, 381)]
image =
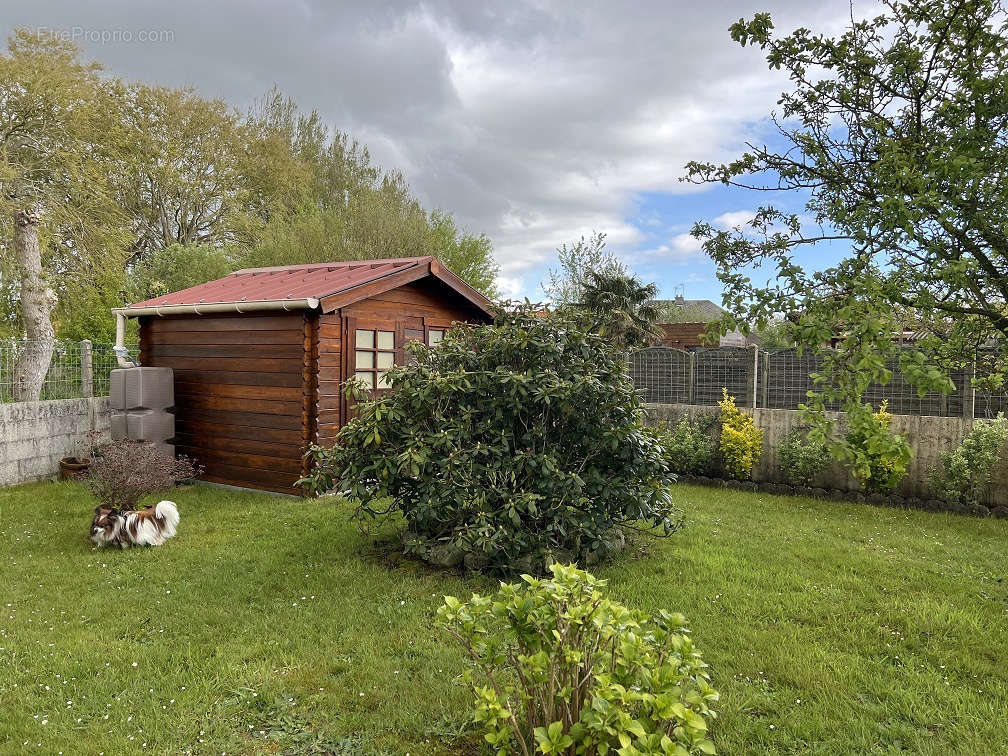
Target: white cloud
[(510, 287), (728, 221)]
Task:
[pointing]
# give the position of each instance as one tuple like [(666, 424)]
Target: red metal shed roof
[(336, 284)]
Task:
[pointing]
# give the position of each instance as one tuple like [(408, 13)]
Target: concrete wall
[(928, 437), (34, 436)]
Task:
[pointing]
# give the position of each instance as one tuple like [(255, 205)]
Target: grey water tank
[(142, 388), (140, 399)]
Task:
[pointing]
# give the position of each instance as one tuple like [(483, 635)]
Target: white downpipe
[(121, 313)]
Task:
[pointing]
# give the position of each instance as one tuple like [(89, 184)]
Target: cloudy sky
[(532, 122)]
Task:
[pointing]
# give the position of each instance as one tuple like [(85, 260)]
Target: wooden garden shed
[(260, 356)]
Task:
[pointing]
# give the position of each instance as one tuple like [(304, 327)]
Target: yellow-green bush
[(741, 440)]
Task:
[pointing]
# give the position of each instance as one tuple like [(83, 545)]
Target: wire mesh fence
[(76, 369), (782, 379)]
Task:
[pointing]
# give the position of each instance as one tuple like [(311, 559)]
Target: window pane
[(365, 339), (412, 334), (366, 378), (381, 380), (435, 336), (365, 360), (385, 359), (386, 339)]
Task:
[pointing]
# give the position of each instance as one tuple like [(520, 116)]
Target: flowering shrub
[(966, 471), (123, 472), (802, 459), (561, 669), (879, 458), (505, 444), (689, 447), (741, 440)]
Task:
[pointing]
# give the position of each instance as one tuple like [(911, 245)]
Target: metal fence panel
[(662, 374), (724, 368), (69, 377)]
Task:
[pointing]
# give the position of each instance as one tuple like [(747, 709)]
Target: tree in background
[(622, 307), (565, 285), (116, 191), (896, 133), (56, 151)]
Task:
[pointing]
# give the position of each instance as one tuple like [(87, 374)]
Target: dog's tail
[(167, 511)]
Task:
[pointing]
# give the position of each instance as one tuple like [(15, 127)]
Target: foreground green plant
[(802, 459), (741, 440), (564, 670), (505, 444), (966, 471), (878, 458), (689, 446)]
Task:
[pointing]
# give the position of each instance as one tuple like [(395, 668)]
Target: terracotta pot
[(73, 468)]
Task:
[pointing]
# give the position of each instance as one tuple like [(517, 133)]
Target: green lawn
[(275, 625)]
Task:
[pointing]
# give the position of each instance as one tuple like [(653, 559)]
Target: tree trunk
[(37, 304)]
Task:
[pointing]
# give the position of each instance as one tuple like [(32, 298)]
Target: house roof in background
[(336, 284), (703, 310)]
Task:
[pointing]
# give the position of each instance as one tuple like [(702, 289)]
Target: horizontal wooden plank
[(293, 350), (329, 346), (246, 322), (329, 374), (327, 359), (193, 404), (207, 457), (247, 445), (289, 336), (250, 419), (209, 478), (197, 426), (240, 378), (227, 364), (329, 402), (251, 474), (240, 391), (330, 331), (330, 388)]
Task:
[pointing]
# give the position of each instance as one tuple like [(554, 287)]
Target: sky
[(534, 123)]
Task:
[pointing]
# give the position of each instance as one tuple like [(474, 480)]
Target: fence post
[(754, 377), (969, 393), (691, 390), (86, 370), (766, 380)]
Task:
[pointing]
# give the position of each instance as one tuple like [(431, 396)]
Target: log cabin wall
[(245, 392), (410, 311)]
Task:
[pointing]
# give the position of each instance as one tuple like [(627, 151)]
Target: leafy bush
[(879, 458), (741, 440), (563, 669), (506, 443), (689, 447), (966, 471), (123, 472), (802, 459)]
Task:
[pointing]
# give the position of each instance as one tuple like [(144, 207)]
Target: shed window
[(374, 355), (435, 336)]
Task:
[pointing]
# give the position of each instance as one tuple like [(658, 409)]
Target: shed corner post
[(309, 374)]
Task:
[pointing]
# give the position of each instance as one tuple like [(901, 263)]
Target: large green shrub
[(741, 440), (878, 458), (689, 446), (561, 669), (506, 443), (966, 471), (802, 459)]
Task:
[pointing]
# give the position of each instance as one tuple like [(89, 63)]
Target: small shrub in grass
[(741, 440), (878, 458), (966, 471), (505, 444), (559, 668), (689, 446), (802, 459), (124, 472)]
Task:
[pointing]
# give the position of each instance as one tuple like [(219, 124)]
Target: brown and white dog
[(147, 527)]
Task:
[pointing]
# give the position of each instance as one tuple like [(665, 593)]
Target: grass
[(274, 625)]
